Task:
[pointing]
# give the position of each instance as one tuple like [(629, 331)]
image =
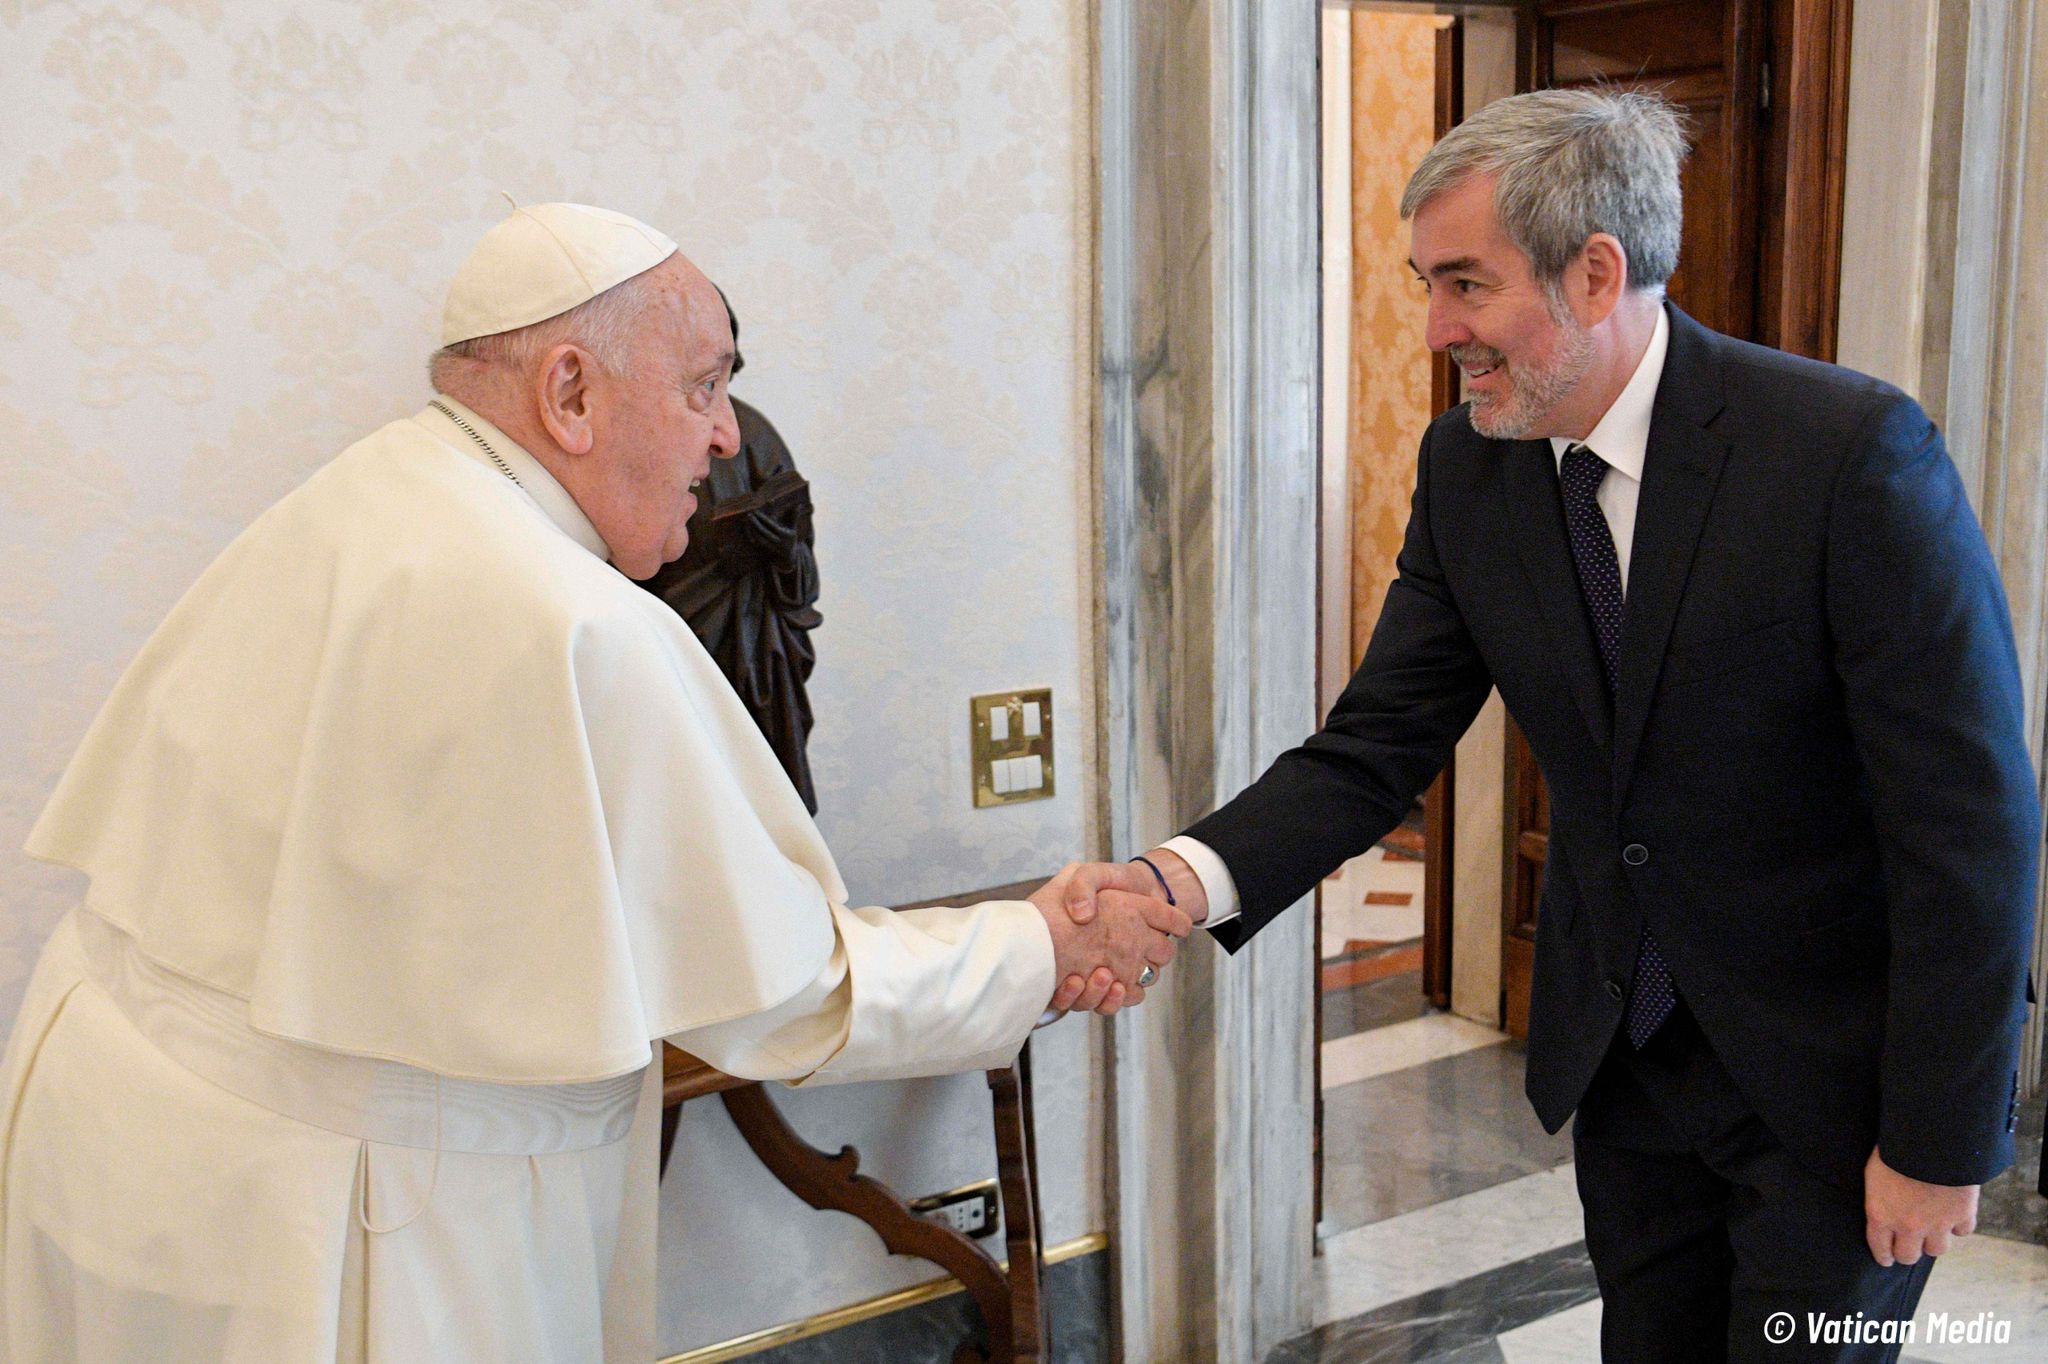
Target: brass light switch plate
[(1012, 746)]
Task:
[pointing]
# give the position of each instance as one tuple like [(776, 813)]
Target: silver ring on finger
[(1148, 977)]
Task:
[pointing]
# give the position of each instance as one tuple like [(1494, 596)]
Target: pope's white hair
[(1571, 163), (607, 326)]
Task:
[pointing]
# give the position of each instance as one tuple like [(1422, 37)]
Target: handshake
[(1115, 926)]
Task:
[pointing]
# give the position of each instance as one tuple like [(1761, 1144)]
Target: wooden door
[(1764, 85), (1439, 802)]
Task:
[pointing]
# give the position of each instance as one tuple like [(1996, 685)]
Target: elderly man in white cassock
[(408, 835)]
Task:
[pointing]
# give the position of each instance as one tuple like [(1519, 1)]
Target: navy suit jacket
[(1815, 753)]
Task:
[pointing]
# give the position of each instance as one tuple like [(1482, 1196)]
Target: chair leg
[(1017, 1176), (835, 1183), (671, 1122)]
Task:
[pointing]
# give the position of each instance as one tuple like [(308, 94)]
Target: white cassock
[(408, 833)]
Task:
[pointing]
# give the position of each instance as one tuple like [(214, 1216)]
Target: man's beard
[(1533, 389)]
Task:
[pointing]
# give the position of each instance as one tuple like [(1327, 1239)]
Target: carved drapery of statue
[(748, 586)]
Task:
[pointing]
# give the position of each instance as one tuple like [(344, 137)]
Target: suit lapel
[(1681, 470), (1536, 519)]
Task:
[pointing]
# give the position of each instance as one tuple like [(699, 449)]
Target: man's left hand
[(1905, 1218)]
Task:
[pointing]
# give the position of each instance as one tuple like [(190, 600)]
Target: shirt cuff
[(1210, 870)]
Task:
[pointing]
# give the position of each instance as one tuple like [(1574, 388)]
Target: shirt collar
[(528, 473), (1622, 437)]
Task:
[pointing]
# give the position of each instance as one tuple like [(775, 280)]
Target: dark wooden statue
[(748, 585)]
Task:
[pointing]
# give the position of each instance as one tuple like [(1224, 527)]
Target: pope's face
[(660, 426), (1521, 350)]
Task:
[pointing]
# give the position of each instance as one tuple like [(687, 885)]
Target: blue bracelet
[(1164, 888)]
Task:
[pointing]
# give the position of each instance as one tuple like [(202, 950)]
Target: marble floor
[(1451, 1227), (1378, 899)]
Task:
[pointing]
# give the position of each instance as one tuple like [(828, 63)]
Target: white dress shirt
[(1622, 438)]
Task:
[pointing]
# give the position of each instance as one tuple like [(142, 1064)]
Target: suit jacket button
[(1614, 989), (1635, 854)]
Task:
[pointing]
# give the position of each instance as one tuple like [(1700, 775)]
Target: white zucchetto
[(542, 261)]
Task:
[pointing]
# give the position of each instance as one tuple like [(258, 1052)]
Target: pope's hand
[(1099, 961)]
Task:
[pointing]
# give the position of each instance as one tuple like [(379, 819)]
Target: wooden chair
[(1011, 1301)]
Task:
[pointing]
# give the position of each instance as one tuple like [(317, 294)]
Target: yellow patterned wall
[(1393, 104)]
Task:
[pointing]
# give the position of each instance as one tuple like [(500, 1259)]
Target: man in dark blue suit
[(1740, 606)]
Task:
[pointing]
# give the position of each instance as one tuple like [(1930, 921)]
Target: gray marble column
[(1984, 371), (1208, 258)]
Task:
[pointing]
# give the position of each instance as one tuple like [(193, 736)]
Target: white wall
[(224, 232)]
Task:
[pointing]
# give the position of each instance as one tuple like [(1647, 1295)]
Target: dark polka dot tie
[(1652, 996)]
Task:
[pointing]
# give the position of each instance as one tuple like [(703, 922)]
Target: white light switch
[(1011, 734)]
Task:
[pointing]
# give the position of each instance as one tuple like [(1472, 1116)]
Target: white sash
[(207, 1032)]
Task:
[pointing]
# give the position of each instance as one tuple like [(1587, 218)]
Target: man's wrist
[(1188, 891)]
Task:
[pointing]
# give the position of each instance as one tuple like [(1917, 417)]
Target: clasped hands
[(1109, 921)]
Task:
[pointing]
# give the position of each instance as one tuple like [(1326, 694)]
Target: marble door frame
[(1208, 312)]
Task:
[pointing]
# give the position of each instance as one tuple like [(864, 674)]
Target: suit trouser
[(1702, 1229)]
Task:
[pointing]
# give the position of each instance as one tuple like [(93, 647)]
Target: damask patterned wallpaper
[(1393, 118), (224, 235)]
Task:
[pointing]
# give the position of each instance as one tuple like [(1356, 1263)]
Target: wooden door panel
[(1526, 849), (1702, 56), (1439, 853), (1709, 281), (1799, 274), (1634, 43)]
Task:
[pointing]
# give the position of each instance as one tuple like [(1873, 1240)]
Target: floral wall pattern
[(224, 235), (1393, 123)]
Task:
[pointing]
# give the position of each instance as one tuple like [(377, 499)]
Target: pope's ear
[(564, 381)]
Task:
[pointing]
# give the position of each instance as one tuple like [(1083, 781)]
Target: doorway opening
[(1408, 933)]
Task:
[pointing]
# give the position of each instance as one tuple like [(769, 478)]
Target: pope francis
[(408, 834)]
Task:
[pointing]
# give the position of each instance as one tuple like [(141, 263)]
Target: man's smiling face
[(1521, 350)]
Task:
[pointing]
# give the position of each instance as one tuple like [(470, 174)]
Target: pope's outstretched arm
[(928, 991)]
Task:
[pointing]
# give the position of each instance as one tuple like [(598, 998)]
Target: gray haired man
[(1739, 605)]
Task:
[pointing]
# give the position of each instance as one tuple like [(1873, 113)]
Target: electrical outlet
[(971, 1211)]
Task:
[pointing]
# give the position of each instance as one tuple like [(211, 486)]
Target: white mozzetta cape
[(421, 777)]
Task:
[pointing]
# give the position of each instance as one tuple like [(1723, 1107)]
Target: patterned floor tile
[(1457, 1321)]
